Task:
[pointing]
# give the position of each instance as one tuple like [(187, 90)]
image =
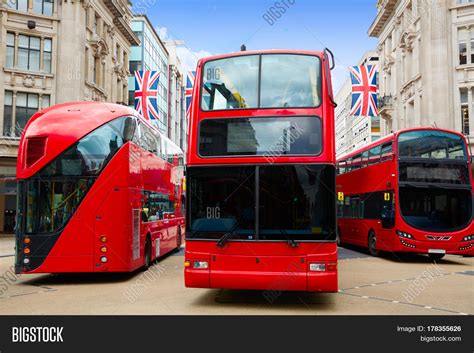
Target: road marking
[(404, 303)]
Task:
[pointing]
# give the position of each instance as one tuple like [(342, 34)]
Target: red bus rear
[(408, 192), (100, 190), (261, 174)]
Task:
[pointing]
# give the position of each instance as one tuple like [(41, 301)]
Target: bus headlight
[(103, 259), (468, 238), (404, 235), (315, 267), (200, 265)]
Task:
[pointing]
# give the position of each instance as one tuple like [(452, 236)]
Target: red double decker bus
[(100, 190), (408, 192), (261, 210)]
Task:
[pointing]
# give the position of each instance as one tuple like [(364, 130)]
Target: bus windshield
[(293, 202), (436, 209), (262, 81), (431, 144)]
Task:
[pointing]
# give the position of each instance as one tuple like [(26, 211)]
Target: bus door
[(387, 220)]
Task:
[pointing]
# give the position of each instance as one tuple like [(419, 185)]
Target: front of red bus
[(261, 174), (72, 159), (435, 193)]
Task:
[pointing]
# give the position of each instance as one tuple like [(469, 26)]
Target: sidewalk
[(7, 245)]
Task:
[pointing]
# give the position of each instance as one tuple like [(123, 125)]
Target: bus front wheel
[(436, 257), (338, 237), (178, 242), (147, 254), (372, 244)]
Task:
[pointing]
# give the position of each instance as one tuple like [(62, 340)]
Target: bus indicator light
[(340, 196), (386, 196)]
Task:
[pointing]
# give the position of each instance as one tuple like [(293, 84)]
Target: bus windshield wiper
[(225, 238), (291, 242)]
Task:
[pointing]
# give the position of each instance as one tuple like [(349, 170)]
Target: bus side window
[(365, 159), (374, 155), (349, 165), (356, 162), (130, 129), (386, 152)]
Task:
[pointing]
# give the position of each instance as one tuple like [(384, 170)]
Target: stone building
[(52, 52), (426, 50), (178, 121)]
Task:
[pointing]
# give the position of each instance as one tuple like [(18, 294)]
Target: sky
[(210, 27)]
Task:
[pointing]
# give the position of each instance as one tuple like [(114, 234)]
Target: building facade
[(426, 50), (53, 52), (354, 132), (178, 122), (150, 54)]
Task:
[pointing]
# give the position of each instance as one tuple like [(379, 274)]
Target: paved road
[(387, 285)]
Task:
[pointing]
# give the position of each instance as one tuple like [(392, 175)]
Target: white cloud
[(163, 33), (189, 57)]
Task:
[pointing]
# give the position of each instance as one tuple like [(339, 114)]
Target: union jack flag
[(146, 93), (189, 90), (364, 90)]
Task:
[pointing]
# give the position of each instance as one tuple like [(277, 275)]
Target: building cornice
[(386, 10), (120, 11)]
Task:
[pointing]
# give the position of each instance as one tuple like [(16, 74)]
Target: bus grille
[(35, 149)]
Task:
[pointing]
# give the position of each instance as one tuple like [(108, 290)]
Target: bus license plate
[(436, 251)]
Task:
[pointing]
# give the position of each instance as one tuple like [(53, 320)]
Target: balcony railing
[(386, 102)]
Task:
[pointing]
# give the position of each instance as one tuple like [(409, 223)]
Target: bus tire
[(179, 240), (372, 244), (436, 257), (147, 253), (338, 237)]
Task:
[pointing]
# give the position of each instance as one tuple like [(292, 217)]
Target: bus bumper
[(425, 247), (269, 273)]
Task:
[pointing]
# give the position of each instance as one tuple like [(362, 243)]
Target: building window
[(465, 110), (462, 40), (28, 55), (43, 7), (96, 24), (26, 105), (135, 66), (20, 5), (29, 49), (10, 60), (96, 69), (47, 55), (8, 113)]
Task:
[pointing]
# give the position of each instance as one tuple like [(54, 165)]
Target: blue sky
[(221, 26)]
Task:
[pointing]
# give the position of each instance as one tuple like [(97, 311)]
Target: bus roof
[(391, 137), (258, 52), (65, 124)]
